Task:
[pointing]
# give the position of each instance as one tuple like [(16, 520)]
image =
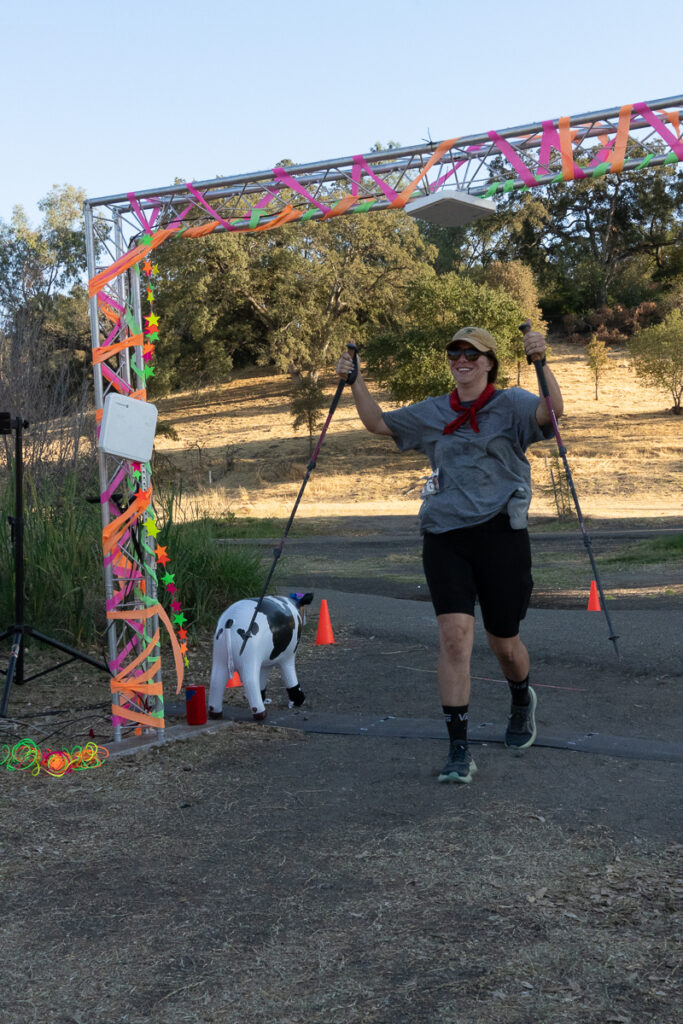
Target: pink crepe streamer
[(137, 210), (458, 164), (661, 129), (114, 554), (226, 223), (289, 182), (108, 301), (177, 223), (115, 665), (271, 193), (114, 379), (110, 337), (512, 158), (360, 165), (106, 494)]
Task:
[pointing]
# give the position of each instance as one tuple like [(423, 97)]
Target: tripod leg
[(15, 660)]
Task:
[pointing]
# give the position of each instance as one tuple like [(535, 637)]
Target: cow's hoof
[(259, 716), (215, 714), (296, 699)]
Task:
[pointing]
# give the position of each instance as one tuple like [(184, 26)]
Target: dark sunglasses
[(470, 354)]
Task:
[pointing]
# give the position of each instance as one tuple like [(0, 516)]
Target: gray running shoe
[(460, 767), (521, 730)]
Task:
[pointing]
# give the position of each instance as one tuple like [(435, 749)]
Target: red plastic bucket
[(195, 705)]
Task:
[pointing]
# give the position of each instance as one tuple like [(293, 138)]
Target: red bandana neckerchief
[(468, 412)]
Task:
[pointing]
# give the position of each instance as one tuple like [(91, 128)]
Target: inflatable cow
[(273, 641)]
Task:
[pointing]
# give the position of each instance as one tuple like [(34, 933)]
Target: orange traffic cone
[(324, 634), (594, 599), (234, 680)]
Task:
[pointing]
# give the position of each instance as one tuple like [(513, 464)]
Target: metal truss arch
[(122, 232)]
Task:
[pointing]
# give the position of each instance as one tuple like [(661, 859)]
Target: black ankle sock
[(456, 722), (519, 692)]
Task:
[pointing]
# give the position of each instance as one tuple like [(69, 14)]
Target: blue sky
[(131, 95)]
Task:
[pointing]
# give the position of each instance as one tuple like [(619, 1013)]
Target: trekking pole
[(353, 349), (543, 384)]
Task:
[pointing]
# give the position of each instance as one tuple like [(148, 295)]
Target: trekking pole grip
[(353, 351), (539, 361)]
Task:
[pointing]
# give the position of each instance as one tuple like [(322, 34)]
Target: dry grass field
[(236, 451)]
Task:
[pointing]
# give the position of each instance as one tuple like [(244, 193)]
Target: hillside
[(236, 450)]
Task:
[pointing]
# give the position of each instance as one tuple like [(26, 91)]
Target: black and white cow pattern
[(273, 641)]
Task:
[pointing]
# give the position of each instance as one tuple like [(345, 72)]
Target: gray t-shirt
[(480, 475)]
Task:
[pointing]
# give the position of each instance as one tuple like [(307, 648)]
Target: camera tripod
[(19, 630)]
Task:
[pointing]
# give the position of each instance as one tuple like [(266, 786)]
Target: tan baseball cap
[(477, 337)]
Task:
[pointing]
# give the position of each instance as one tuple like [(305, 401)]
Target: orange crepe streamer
[(113, 531), (566, 151), (140, 686), (120, 677), (145, 613), (135, 716), (151, 689), (199, 230), (110, 313), (621, 139), (342, 206), (674, 118), (106, 351), (400, 201), (97, 283), (121, 561)]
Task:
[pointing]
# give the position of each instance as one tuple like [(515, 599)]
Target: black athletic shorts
[(491, 562)]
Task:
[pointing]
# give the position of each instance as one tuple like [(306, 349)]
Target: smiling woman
[(473, 521)]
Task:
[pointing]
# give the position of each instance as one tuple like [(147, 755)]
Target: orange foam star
[(161, 556)]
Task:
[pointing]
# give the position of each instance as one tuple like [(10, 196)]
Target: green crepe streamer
[(133, 325), (134, 367)]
